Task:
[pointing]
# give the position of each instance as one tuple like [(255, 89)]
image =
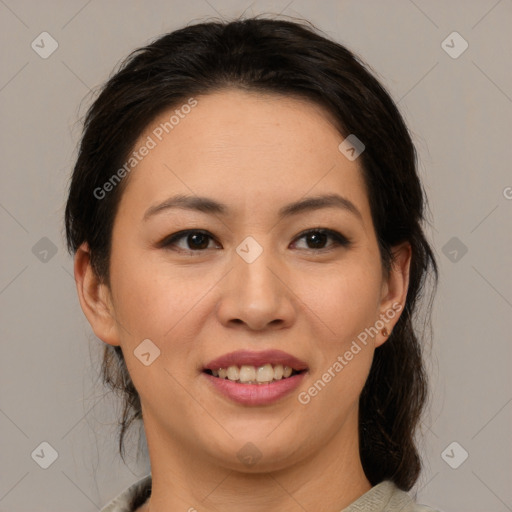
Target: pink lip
[(255, 394), (247, 357)]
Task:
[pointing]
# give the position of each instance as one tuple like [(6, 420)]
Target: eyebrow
[(208, 205)]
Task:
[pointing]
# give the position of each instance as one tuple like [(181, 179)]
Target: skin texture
[(255, 153)]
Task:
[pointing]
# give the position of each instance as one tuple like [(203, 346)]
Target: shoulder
[(131, 498), (386, 497), (401, 501)]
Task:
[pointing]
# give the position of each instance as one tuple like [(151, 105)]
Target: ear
[(95, 298), (394, 290)]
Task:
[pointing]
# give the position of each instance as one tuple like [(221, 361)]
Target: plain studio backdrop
[(446, 64)]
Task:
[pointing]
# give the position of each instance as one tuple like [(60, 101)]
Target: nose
[(257, 295)]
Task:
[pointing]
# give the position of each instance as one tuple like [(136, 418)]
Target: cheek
[(147, 301), (158, 307), (346, 298), (346, 302)]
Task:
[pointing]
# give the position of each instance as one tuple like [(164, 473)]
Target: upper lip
[(251, 358)]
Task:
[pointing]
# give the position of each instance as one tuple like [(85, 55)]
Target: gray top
[(384, 497)]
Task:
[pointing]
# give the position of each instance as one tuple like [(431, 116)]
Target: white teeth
[(233, 373), (265, 373), (248, 374)]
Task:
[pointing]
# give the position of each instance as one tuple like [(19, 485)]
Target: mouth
[(249, 374), (246, 367), (255, 378)]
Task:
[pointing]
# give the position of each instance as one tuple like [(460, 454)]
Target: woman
[(245, 216)]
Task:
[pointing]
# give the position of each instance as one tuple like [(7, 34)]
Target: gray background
[(459, 111)]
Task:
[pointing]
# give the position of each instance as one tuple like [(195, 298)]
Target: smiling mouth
[(248, 374)]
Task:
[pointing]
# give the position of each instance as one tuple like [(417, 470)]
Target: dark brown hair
[(293, 59)]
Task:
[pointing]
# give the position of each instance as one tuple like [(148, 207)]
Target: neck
[(329, 480)]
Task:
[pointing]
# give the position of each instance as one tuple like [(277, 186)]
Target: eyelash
[(339, 240)]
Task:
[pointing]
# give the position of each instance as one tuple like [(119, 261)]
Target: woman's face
[(250, 280)]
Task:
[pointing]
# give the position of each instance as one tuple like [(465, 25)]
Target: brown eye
[(197, 241), (194, 240), (316, 239)]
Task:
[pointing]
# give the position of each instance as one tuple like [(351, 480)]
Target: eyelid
[(339, 239), (172, 239)]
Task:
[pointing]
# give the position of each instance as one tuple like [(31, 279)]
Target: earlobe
[(395, 290), (94, 297)]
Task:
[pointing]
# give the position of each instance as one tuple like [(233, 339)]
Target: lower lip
[(256, 394)]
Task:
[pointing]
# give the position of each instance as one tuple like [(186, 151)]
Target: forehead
[(244, 147)]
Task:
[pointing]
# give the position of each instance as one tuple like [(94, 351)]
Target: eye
[(195, 240), (316, 239)]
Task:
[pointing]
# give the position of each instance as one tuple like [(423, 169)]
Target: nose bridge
[(254, 263), (255, 293)]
